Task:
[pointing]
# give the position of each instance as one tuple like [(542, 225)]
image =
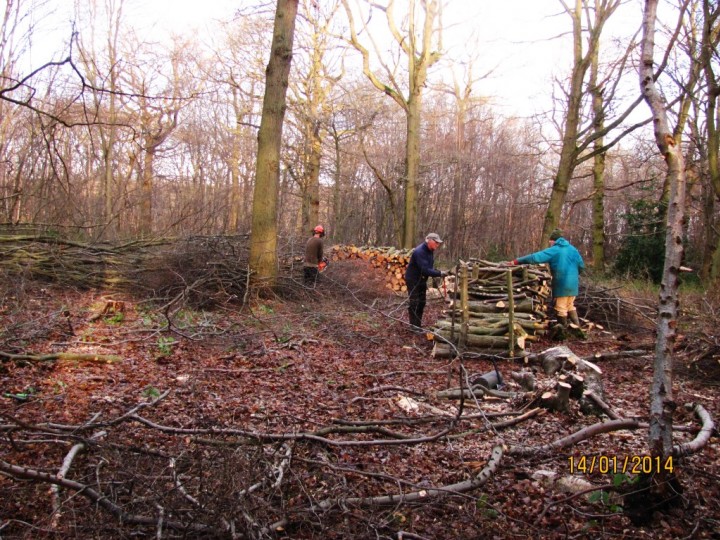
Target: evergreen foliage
[(642, 253)]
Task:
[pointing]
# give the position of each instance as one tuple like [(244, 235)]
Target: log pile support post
[(511, 315), (454, 302), (464, 304)]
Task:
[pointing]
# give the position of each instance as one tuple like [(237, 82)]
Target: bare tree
[(105, 93), (238, 77), (157, 118), (263, 242), (311, 104), (709, 59), (18, 23), (661, 396), (421, 42), (575, 138)]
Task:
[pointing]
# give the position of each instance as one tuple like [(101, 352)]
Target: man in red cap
[(313, 256)]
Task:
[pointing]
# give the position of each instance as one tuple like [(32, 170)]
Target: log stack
[(391, 261), (493, 309)]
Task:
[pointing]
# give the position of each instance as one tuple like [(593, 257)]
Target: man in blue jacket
[(565, 265), (421, 267)]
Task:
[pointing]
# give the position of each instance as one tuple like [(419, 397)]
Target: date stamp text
[(620, 464)]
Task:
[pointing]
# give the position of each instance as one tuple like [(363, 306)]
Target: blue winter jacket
[(421, 265), (565, 264)]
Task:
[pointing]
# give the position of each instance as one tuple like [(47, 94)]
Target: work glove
[(443, 274)]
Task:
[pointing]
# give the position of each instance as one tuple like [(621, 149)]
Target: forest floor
[(283, 417)]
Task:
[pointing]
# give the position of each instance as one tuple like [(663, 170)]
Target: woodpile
[(493, 309), (391, 261)]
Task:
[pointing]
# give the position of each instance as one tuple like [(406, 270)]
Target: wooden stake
[(511, 315)]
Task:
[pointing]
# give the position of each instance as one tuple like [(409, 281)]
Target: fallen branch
[(460, 487), (616, 355), (73, 357), (66, 464), (600, 404), (269, 437), (585, 433), (702, 437), (476, 390), (499, 425)]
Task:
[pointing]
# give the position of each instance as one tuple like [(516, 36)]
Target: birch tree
[(662, 403)]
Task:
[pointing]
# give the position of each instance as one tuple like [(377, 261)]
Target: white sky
[(513, 36)]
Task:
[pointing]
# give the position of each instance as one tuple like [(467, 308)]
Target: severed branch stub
[(560, 400)]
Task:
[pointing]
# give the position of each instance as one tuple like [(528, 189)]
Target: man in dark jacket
[(565, 265), (421, 267), (313, 256)]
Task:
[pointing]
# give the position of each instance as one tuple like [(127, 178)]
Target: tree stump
[(491, 379), (586, 377)]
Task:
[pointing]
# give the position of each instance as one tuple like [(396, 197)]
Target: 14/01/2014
[(620, 465)]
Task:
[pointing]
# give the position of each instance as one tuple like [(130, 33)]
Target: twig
[(66, 464)]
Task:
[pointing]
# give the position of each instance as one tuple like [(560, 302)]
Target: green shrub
[(642, 252)]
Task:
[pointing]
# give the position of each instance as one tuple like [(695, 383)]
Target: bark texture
[(263, 242)]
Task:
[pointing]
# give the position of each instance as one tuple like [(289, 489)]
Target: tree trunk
[(598, 210), (571, 145), (661, 397), (568, 155), (234, 165), (263, 240), (311, 179), (412, 168), (710, 40), (146, 189)]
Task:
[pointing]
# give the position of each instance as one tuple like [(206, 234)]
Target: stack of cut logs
[(493, 309), (391, 261)]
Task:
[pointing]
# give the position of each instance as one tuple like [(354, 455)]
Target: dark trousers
[(310, 275), (416, 303)]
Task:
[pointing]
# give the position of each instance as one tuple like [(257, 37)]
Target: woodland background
[(121, 138)]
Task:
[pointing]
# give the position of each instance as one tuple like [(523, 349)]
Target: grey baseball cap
[(435, 237)]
